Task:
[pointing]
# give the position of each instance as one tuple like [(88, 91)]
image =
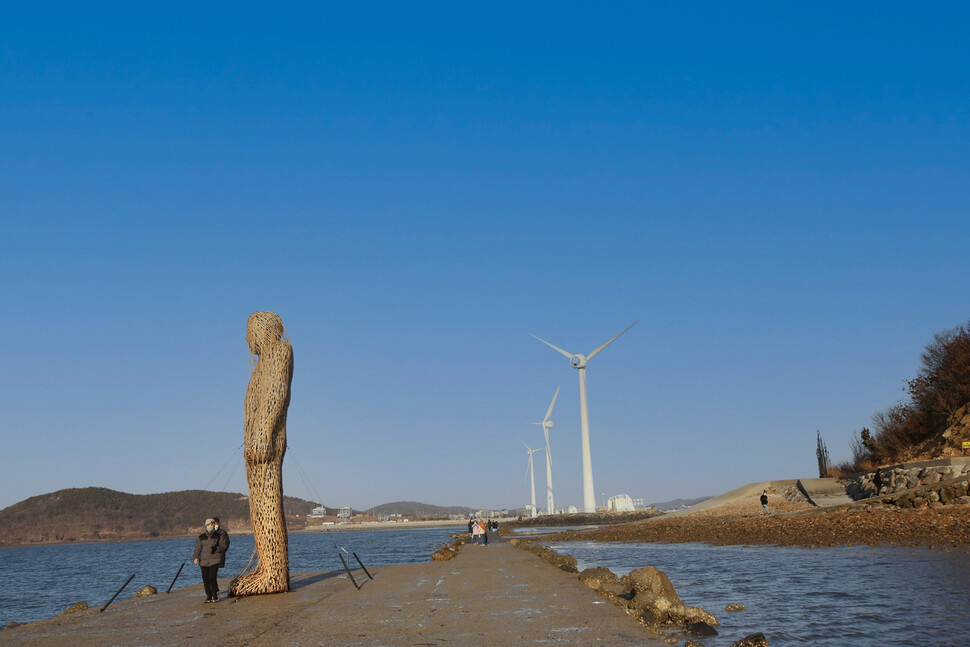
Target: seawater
[(37, 582), (845, 595)]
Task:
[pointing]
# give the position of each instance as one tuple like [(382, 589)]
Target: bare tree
[(822, 453)]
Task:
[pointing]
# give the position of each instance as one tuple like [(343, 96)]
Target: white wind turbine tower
[(532, 478), (546, 425), (578, 361)]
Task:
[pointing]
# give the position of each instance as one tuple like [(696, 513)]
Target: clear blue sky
[(778, 193)]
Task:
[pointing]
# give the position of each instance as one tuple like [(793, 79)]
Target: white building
[(620, 503)]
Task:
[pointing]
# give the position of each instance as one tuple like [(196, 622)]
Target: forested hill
[(415, 509), (88, 514)]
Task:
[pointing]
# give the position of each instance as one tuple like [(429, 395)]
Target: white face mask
[(216, 526), (210, 528)]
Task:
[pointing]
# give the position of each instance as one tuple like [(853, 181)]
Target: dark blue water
[(38, 582), (846, 595)]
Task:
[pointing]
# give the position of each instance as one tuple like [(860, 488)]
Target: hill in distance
[(93, 513), (416, 509), (675, 504)]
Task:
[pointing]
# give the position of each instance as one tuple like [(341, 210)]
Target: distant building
[(344, 513), (572, 510), (318, 512), (620, 503)]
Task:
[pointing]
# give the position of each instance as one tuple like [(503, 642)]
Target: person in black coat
[(210, 554), (224, 541)]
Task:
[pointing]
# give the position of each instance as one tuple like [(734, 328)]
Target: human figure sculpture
[(267, 398)]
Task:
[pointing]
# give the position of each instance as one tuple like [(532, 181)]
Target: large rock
[(74, 608), (754, 640), (443, 554), (595, 578), (607, 584), (700, 629), (652, 580), (564, 562), (145, 591), (655, 595)]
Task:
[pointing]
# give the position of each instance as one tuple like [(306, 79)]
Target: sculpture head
[(263, 327)]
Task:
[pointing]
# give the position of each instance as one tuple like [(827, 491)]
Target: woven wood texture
[(267, 399)]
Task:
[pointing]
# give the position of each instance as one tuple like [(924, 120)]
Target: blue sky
[(778, 194)]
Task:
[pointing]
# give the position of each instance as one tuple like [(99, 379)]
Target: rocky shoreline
[(946, 527)]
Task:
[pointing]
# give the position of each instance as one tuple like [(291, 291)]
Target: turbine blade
[(569, 355), (551, 405), (593, 354)]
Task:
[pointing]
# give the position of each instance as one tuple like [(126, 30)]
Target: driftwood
[(267, 399)]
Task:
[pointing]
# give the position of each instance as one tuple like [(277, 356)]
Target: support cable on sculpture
[(225, 487), (313, 492)]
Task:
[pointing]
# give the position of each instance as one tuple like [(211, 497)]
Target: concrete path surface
[(488, 595), (824, 493)]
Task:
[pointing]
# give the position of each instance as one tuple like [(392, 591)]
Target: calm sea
[(846, 595), (38, 582)]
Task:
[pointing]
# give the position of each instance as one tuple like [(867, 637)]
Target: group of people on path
[(210, 555), (478, 529)]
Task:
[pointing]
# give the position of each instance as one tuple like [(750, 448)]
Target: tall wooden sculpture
[(267, 399)]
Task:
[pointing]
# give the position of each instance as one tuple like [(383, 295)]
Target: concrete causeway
[(824, 493), (487, 595)]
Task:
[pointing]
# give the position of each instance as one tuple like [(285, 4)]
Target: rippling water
[(38, 582), (846, 595)]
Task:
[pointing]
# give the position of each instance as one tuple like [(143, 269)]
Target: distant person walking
[(210, 554), (484, 533), (476, 531), (877, 481), (764, 504)]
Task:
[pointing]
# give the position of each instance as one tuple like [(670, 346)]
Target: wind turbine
[(532, 478), (546, 425), (579, 361)]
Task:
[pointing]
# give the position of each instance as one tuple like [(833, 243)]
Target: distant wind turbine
[(532, 477), (546, 425), (578, 361)]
